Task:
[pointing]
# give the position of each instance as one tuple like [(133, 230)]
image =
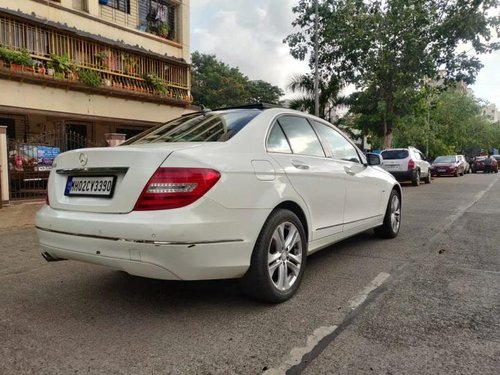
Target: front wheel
[(392, 218), (427, 180), (278, 259)]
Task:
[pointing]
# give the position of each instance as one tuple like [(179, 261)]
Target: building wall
[(101, 20), (50, 99)]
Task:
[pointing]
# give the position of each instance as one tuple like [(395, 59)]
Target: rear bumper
[(167, 262), (159, 245), (404, 176)]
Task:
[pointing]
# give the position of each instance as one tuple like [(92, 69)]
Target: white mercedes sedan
[(246, 192)]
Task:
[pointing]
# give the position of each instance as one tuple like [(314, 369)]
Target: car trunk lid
[(106, 180)]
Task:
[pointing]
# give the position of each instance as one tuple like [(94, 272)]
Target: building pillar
[(4, 167)]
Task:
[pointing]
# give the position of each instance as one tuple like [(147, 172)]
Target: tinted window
[(301, 136), (199, 127), (445, 159), (341, 147), (277, 141), (394, 154)]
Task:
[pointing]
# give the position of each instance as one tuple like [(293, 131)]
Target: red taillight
[(411, 164), (175, 188)]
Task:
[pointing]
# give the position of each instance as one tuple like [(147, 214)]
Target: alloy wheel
[(284, 256), (395, 213)]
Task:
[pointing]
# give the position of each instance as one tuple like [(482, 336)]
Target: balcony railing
[(118, 68)]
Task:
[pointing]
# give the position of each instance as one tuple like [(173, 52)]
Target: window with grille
[(121, 5), (158, 17)]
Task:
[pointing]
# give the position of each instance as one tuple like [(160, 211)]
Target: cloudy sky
[(249, 34)]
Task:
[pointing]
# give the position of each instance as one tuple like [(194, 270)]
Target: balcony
[(44, 55)]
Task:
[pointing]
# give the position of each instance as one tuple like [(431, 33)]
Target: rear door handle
[(299, 165)]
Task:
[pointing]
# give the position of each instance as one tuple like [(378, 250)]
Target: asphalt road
[(425, 302)]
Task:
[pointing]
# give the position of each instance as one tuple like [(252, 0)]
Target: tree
[(328, 95), (387, 48), (216, 84), (263, 92)]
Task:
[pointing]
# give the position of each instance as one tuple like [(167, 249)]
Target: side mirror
[(374, 159)]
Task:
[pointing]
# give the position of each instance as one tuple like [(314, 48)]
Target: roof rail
[(243, 106), (250, 106)]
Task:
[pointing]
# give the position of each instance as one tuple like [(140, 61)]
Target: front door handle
[(349, 171), (299, 165)]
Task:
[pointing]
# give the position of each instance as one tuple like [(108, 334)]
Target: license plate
[(392, 166), (441, 170), (90, 186)]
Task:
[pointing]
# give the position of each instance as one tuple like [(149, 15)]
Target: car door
[(319, 180), (364, 186)]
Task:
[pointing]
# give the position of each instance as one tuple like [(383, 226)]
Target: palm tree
[(329, 97)]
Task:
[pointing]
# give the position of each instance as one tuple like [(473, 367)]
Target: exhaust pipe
[(50, 258)]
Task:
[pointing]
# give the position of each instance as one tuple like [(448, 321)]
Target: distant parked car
[(481, 164), (407, 164), (449, 165)]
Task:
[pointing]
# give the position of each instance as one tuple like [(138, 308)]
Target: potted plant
[(40, 68), (156, 83), (62, 66), (103, 59), (19, 60), (90, 78)]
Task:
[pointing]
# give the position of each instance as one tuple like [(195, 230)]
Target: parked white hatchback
[(244, 193)]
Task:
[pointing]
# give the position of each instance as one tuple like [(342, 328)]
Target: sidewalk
[(19, 215)]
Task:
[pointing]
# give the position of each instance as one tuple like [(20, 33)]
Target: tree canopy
[(216, 84), (388, 49)]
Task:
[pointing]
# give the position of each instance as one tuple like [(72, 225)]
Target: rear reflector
[(176, 187)]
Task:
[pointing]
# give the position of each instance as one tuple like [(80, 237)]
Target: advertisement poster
[(32, 157)]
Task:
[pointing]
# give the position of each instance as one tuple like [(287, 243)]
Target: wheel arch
[(297, 210)]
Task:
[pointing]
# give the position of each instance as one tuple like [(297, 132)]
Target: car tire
[(456, 174), (392, 218), (416, 179), (428, 179), (276, 269)]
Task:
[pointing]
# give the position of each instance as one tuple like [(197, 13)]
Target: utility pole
[(316, 71)]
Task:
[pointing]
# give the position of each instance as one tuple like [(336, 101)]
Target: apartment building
[(75, 73)]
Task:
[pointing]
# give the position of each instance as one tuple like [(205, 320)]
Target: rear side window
[(198, 127), (277, 141), (394, 154), (301, 136)]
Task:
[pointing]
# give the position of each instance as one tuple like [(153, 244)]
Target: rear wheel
[(416, 179), (392, 218), (278, 259)]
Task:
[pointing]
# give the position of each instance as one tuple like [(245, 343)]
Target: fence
[(30, 162)]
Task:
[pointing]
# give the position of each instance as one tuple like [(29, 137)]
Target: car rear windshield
[(394, 154), (217, 126), (445, 159)]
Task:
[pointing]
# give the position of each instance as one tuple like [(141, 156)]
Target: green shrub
[(156, 83), (90, 78), (22, 57), (61, 64)]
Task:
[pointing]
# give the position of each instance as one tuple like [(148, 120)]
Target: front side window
[(341, 148), (301, 136), (217, 126)]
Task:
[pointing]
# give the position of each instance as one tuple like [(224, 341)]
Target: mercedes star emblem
[(83, 159)]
